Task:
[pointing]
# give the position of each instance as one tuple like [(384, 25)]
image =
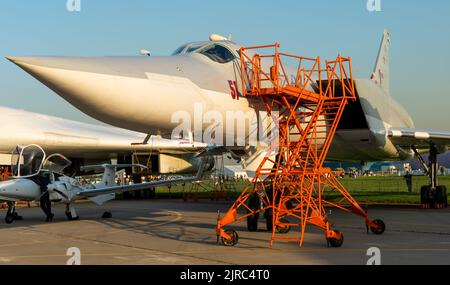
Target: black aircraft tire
[(254, 205), (425, 196), (269, 220), (16, 217), (9, 219), (252, 223), (440, 197)]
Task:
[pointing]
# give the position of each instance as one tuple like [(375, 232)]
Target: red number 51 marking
[(234, 89)]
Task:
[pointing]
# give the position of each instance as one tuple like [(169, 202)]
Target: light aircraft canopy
[(56, 163), (27, 161)]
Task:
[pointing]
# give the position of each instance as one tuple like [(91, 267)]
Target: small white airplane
[(34, 174)]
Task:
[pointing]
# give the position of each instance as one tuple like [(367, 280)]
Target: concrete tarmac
[(175, 232)]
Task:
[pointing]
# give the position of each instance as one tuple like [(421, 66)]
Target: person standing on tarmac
[(45, 203), (408, 179)]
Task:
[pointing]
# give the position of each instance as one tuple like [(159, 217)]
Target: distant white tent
[(235, 171)]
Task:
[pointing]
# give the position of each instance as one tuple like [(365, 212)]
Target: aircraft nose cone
[(24, 61), (35, 64), (13, 59), (137, 93), (50, 71), (84, 82)]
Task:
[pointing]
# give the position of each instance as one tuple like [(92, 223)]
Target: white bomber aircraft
[(373, 128), (89, 142), (32, 171)]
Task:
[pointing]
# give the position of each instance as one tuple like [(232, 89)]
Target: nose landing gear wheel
[(337, 240), (234, 238), (11, 214), (9, 219), (379, 228)]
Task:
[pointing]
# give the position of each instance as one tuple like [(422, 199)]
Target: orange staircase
[(294, 192)]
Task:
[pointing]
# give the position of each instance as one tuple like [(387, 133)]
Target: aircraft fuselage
[(154, 94)]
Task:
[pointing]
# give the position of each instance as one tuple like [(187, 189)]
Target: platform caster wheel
[(336, 241), (107, 215), (283, 229), (234, 238), (9, 219), (379, 228)]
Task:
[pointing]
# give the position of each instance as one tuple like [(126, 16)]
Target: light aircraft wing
[(421, 139), (89, 193)]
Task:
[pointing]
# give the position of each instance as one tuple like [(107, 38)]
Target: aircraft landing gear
[(432, 195), (12, 215), (71, 214), (107, 215)]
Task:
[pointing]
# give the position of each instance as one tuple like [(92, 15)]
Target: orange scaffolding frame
[(294, 192)]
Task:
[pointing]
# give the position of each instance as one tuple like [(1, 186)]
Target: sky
[(420, 43)]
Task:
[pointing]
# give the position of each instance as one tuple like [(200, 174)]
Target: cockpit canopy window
[(27, 161), (193, 47), (56, 163), (218, 54), (179, 50), (188, 48)]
